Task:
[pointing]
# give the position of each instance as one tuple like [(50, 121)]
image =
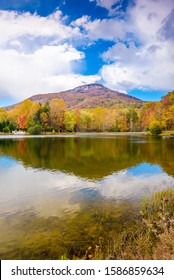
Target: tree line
[(54, 116)]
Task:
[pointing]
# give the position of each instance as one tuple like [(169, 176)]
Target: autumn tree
[(122, 122), (86, 120), (147, 115), (57, 111), (110, 120), (22, 121), (69, 121), (42, 116), (132, 119), (3, 115), (24, 111), (168, 111), (99, 118)]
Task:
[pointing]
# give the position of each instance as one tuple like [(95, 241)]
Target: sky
[(55, 45)]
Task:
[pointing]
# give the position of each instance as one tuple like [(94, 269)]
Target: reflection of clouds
[(48, 192), (124, 186), (52, 193), (69, 181)]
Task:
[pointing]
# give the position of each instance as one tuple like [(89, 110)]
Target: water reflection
[(52, 193), (135, 182), (66, 184), (90, 157)]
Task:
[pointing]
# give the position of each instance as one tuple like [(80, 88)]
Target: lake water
[(61, 194)]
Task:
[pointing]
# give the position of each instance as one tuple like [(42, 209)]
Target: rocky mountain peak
[(89, 87)]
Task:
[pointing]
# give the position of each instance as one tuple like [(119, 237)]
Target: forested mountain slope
[(87, 96)]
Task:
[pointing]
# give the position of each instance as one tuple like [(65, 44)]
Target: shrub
[(158, 217), (158, 213), (35, 130), (6, 129), (155, 128)]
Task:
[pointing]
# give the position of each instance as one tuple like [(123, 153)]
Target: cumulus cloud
[(68, 81), (37, 56), (145, 59), (121, 53), (149, 67), (146, 18), (166, 31), (49, 68), (111, 5), (105, 29), (80, 22), (40, 54), (21, 25), (141, 21)]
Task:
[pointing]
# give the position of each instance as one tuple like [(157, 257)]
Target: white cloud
[(38, 54), (19, 25), (69, 81), (34, 56), (167, 30), (106, 29), (149, 67), (80, 21), (111, 5), (146, 59), (142, 21), (121, 53), (147, 16), (47, 69)]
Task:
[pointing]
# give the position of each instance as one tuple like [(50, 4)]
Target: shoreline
[(74, 134), (66, 134)]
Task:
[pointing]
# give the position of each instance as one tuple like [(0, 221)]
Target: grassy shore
[(141, 133), (150, 237), (167, 133)]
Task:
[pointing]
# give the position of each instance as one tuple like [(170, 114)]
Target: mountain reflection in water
[(60, 176)]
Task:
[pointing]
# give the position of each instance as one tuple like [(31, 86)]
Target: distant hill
[(87, 96)]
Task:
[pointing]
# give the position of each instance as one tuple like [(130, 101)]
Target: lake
[(61, 194)]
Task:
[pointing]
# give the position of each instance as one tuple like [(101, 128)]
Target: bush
[(7, 126), (35, 130), (6, 129), (158, 216), (158, 213), (155, 128)]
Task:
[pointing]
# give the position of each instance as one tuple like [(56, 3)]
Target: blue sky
[(54, 45)]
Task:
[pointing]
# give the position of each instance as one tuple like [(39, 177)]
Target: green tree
[(155, 127), (35, 129)]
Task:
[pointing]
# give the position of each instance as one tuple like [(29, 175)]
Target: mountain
[(87, 96)]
